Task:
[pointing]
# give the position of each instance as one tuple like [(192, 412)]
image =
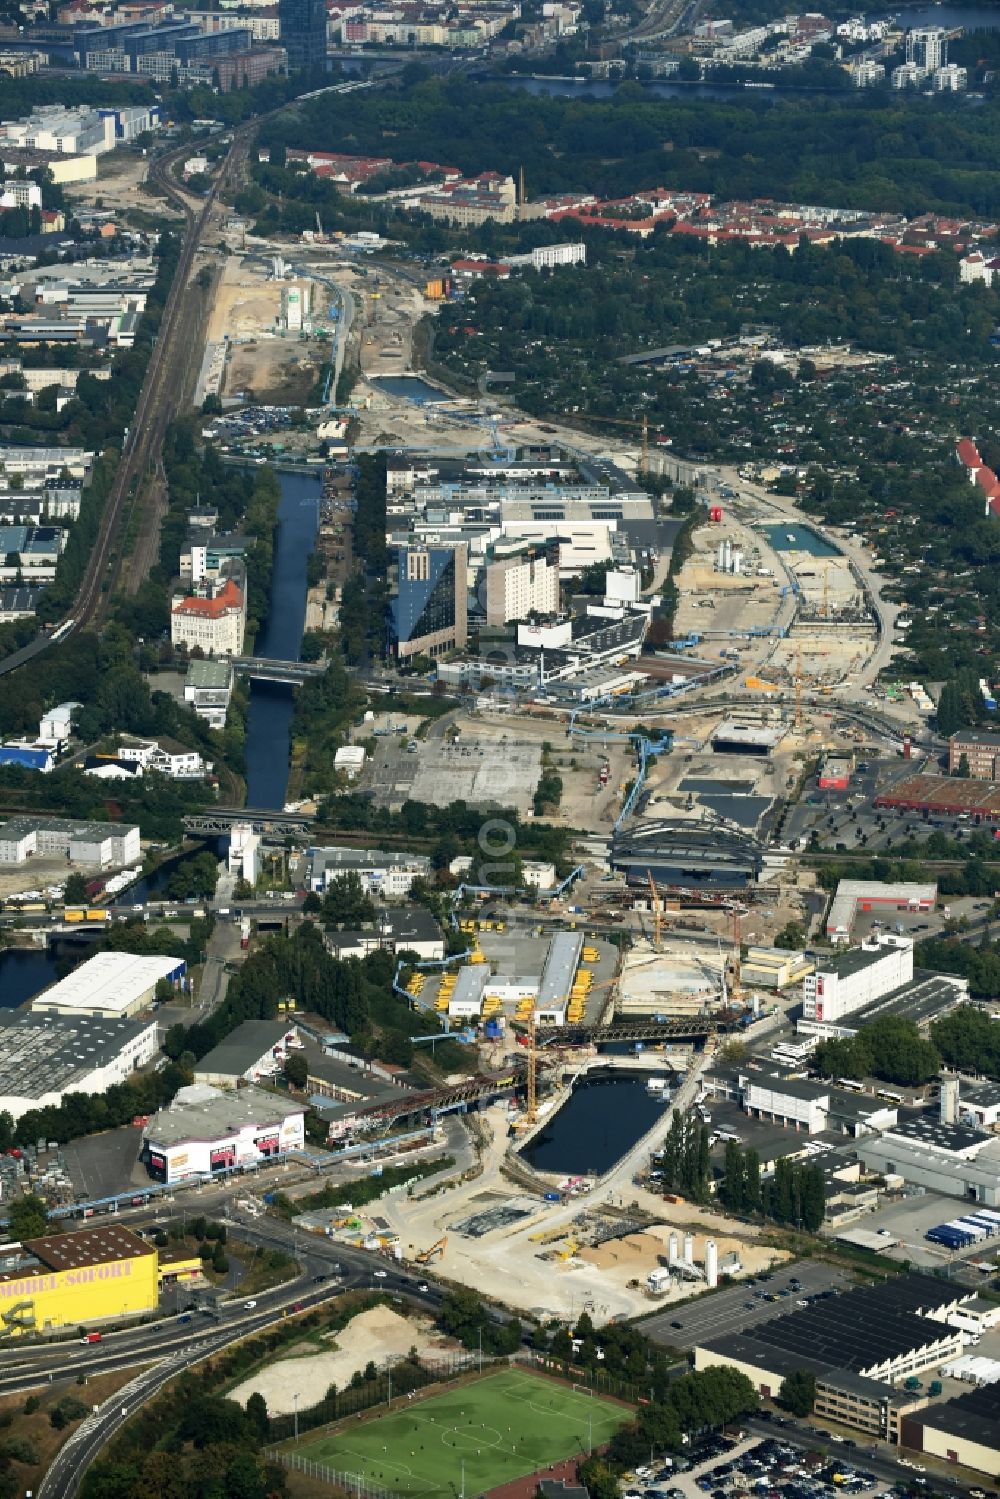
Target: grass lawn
[(502, 1427)]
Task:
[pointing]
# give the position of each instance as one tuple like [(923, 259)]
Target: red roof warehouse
[(977, 799)]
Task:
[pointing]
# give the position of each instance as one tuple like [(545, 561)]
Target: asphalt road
[(726, 1311), (176, 1346)]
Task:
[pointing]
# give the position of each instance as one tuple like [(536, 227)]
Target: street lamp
[(295, 1404)]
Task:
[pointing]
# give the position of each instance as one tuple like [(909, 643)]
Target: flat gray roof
[(560, 970), (244, 1046), (204, 1113), (44, 1053)]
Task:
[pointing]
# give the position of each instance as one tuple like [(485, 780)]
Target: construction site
[(778, 600), (267, 336)]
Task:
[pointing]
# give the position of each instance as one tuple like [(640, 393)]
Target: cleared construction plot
[(494, 1431), (478, 771)]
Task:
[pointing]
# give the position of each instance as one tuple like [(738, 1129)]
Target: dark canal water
[(280, 639), (24, 972), (603, 1117)]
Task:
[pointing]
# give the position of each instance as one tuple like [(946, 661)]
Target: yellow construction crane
[(531, 1111), (620, 421), (656, 909), (736, 986)]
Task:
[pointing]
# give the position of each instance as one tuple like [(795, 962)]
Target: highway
[(172, 1346)]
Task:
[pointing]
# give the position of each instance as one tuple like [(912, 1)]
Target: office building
[(208, 687), (104, 844), (382, 873), (303, 32), (521, 582), (428, 614), (214, 624), (843, 984), (980, 750)]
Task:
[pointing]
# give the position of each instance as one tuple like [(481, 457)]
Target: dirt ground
[(245, 304), (36, 873), (633, 1257), (374, 1335)]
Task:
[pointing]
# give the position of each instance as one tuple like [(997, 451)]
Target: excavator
[(432, 1253)]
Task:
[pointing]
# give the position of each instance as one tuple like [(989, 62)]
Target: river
[(280, 639), (604, 1116)]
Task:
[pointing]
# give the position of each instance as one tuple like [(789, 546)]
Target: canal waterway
[(280, 639), (604, 1116), (25, 972)]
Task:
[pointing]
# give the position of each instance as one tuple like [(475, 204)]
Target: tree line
[(891, 1049), (792, 1196)]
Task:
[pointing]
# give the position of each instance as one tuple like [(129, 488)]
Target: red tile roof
[(228, 597)]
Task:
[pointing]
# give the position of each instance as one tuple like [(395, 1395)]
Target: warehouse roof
[(930, 1129), (944, 792), (865, 1326), (409, 923), (560, 969), (471, 983), (983, 1094), (926, 997), (974, 1416), (43, 1053), (204, 1113), (91, 1246), (851, 893), (109, 981), (243, 1047)]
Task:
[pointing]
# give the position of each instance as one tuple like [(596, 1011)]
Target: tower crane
[(655, 910)]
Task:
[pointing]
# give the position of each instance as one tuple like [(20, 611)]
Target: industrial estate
[(499, 761)]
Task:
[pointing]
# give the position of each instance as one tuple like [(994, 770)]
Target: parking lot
[(770, 1467), (723, 1313)]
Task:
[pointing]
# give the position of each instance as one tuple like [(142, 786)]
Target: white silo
[(737, 560), (672, 1250), (949, 1100), (711, 1263), (689, 1249), (720, 557)]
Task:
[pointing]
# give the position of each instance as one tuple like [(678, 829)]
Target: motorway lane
[(40, 1363)]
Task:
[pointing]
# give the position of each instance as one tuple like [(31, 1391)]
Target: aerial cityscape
[(499, 750)]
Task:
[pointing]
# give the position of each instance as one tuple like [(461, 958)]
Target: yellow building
[(91, 1276)]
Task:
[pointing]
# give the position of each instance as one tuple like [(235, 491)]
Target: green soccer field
[(501, 1428)]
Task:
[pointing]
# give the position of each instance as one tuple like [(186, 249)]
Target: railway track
[(161, 388), (154, 409)]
